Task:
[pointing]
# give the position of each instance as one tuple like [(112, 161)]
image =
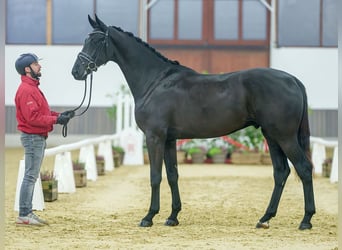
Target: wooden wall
[(218, 60)]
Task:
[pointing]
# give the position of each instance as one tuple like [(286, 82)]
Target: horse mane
[(165, 59)]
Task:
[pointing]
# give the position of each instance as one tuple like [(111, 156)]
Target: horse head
[(93, 53)]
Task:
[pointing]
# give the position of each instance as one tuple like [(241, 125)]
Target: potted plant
[(326, 167), (194, 150), (80, 174), (217, 154), (118, 155), (180, 151), (100, 165), (197, 154), (180, 156), (252, 139), (49, 185), (218, 150)]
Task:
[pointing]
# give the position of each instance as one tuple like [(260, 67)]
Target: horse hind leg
[(304, 169), (170, 158), (281, 171)]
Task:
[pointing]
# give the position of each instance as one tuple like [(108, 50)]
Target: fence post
[(105, 150), (38, 197), (64, 173), (334, 167), (318, 156), (87, 156), (119, 114)]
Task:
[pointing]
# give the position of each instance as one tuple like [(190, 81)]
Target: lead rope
[(65, 126)]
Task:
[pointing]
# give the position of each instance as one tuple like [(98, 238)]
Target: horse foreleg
[(281, 171), (170, 158), (155, 146)]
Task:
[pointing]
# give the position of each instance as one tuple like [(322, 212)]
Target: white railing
[(87, 155), (319, 146), (63, 169)]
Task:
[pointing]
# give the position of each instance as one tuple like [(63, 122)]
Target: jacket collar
[(29, 80)]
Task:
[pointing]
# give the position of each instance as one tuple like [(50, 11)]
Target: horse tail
[(304, 129)]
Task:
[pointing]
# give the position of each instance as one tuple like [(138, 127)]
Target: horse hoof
[(264, 225), (145, 223), (171, 223), (304, 226)]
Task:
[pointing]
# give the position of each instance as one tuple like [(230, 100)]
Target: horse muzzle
[(79, 74), (83, 66)]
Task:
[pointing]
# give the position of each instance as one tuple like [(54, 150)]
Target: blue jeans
[(34, 146)]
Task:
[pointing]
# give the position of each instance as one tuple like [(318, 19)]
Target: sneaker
[(31, 220)]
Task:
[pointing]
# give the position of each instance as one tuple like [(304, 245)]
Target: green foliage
[(194, 150), (250, 137), (218, 146), (111, 112), (118, 149), (214, 151), (194, 146)]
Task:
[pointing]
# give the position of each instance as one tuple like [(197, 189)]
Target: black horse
[(174, 102)]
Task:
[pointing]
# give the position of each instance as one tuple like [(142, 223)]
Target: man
[(35, 121)]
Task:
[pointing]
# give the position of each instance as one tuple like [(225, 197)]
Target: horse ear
[(100, 24), (92, 22)]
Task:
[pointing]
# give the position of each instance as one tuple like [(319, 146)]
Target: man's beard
[(35, 75)]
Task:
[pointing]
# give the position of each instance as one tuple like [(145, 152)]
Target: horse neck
[(139, 64)]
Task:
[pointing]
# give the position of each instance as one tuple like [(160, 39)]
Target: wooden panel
[(228, 61), (218, 60), (195, 59)]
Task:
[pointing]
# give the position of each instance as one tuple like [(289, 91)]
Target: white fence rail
[(319, 146)]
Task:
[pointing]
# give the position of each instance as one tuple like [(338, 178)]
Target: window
[(189, 28), (226, 27), (307, 22), (209, 22), (329, 23), (28, 21), (254, 20), (162, 20), (25, 22), (123, 14), (176, 22), (69, 21)]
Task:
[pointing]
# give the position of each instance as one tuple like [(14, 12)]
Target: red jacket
[(32, 109)]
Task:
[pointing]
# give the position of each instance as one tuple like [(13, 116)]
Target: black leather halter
[(87, 59)]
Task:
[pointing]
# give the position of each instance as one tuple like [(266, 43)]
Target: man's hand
[(69, 113), (63, 119)]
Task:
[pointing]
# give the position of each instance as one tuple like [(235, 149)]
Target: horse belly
[(202, 124)]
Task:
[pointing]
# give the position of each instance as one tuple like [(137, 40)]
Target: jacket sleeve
[(36, 112), (53, 113)]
